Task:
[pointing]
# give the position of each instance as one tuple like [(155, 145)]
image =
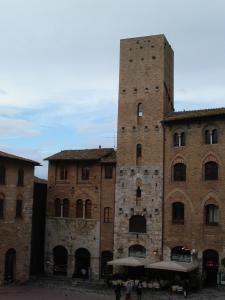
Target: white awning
[(174, 266), (128, 262)]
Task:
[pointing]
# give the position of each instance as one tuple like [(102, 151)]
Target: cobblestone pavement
[(90, 292)]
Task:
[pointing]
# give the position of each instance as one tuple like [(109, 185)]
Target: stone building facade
[(80, 212), (145, 98), (194, 203), (16, 200)]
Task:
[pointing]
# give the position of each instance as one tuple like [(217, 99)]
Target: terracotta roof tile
[(15, 157), (86, 154), (194, 114)]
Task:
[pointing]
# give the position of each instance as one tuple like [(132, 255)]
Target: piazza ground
[(43, 293)]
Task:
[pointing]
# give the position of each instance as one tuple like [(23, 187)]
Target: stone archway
[(10, 265), (60, 259), (82, 262), (210, 267)]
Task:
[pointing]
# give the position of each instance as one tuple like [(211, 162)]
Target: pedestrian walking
[(139, 290), (128, 290), (185, 288), (118, 290)]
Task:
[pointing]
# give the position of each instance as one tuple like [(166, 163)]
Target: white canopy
[(128, 262), (174, 266)]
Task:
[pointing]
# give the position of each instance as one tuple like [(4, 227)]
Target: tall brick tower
[(145, 97)]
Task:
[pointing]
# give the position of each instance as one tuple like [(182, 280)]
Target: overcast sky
[(59, 66)]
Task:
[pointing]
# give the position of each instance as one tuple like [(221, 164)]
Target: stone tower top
[(145, 95)]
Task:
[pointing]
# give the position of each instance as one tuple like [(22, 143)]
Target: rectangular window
[(1, 208), (19, 204), (108, 171), (85, 173), (107, 215)]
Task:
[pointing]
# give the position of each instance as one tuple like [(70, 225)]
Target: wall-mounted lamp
[(155, 251)]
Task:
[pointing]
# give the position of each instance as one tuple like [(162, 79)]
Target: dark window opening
[(1, 208), (2, 174), (211, 170), (178, 213), (108, 172), (19, 208), (63, 173), (211, 136), (179, 172), (85, 173), (139, 151), (137, 224), (20, 177), (138, 192), (179, 139)]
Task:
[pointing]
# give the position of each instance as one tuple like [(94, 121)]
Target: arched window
[(179, 172), (2, 174), (211, 170), (139, 151), (211, 214), (137, 251), (179, 139), (85, 173), (137, 224), (19, 208), (10, 265), (107, 215), (178, 213), (57, 207), (79, 208), (20, 179), (181, 254), (88, 209), (140, 110), (211, 136), (1, 206), (65, 208), (63, 173), (138, 192)]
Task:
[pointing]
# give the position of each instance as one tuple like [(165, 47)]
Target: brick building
[(194, 188), (80, 212), (170, 188), (16, 200)]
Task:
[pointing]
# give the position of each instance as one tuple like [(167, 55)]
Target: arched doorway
[(105, 257), (60, 258), (10, 265), (210, 267), (82, 262)]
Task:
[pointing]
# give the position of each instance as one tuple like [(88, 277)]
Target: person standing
[(118, 290), (128, 290), (139, 290)]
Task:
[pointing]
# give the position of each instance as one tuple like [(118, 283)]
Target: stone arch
[(60, 259), (10, 265), (178, 195), (82, 262), (210, 264)]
